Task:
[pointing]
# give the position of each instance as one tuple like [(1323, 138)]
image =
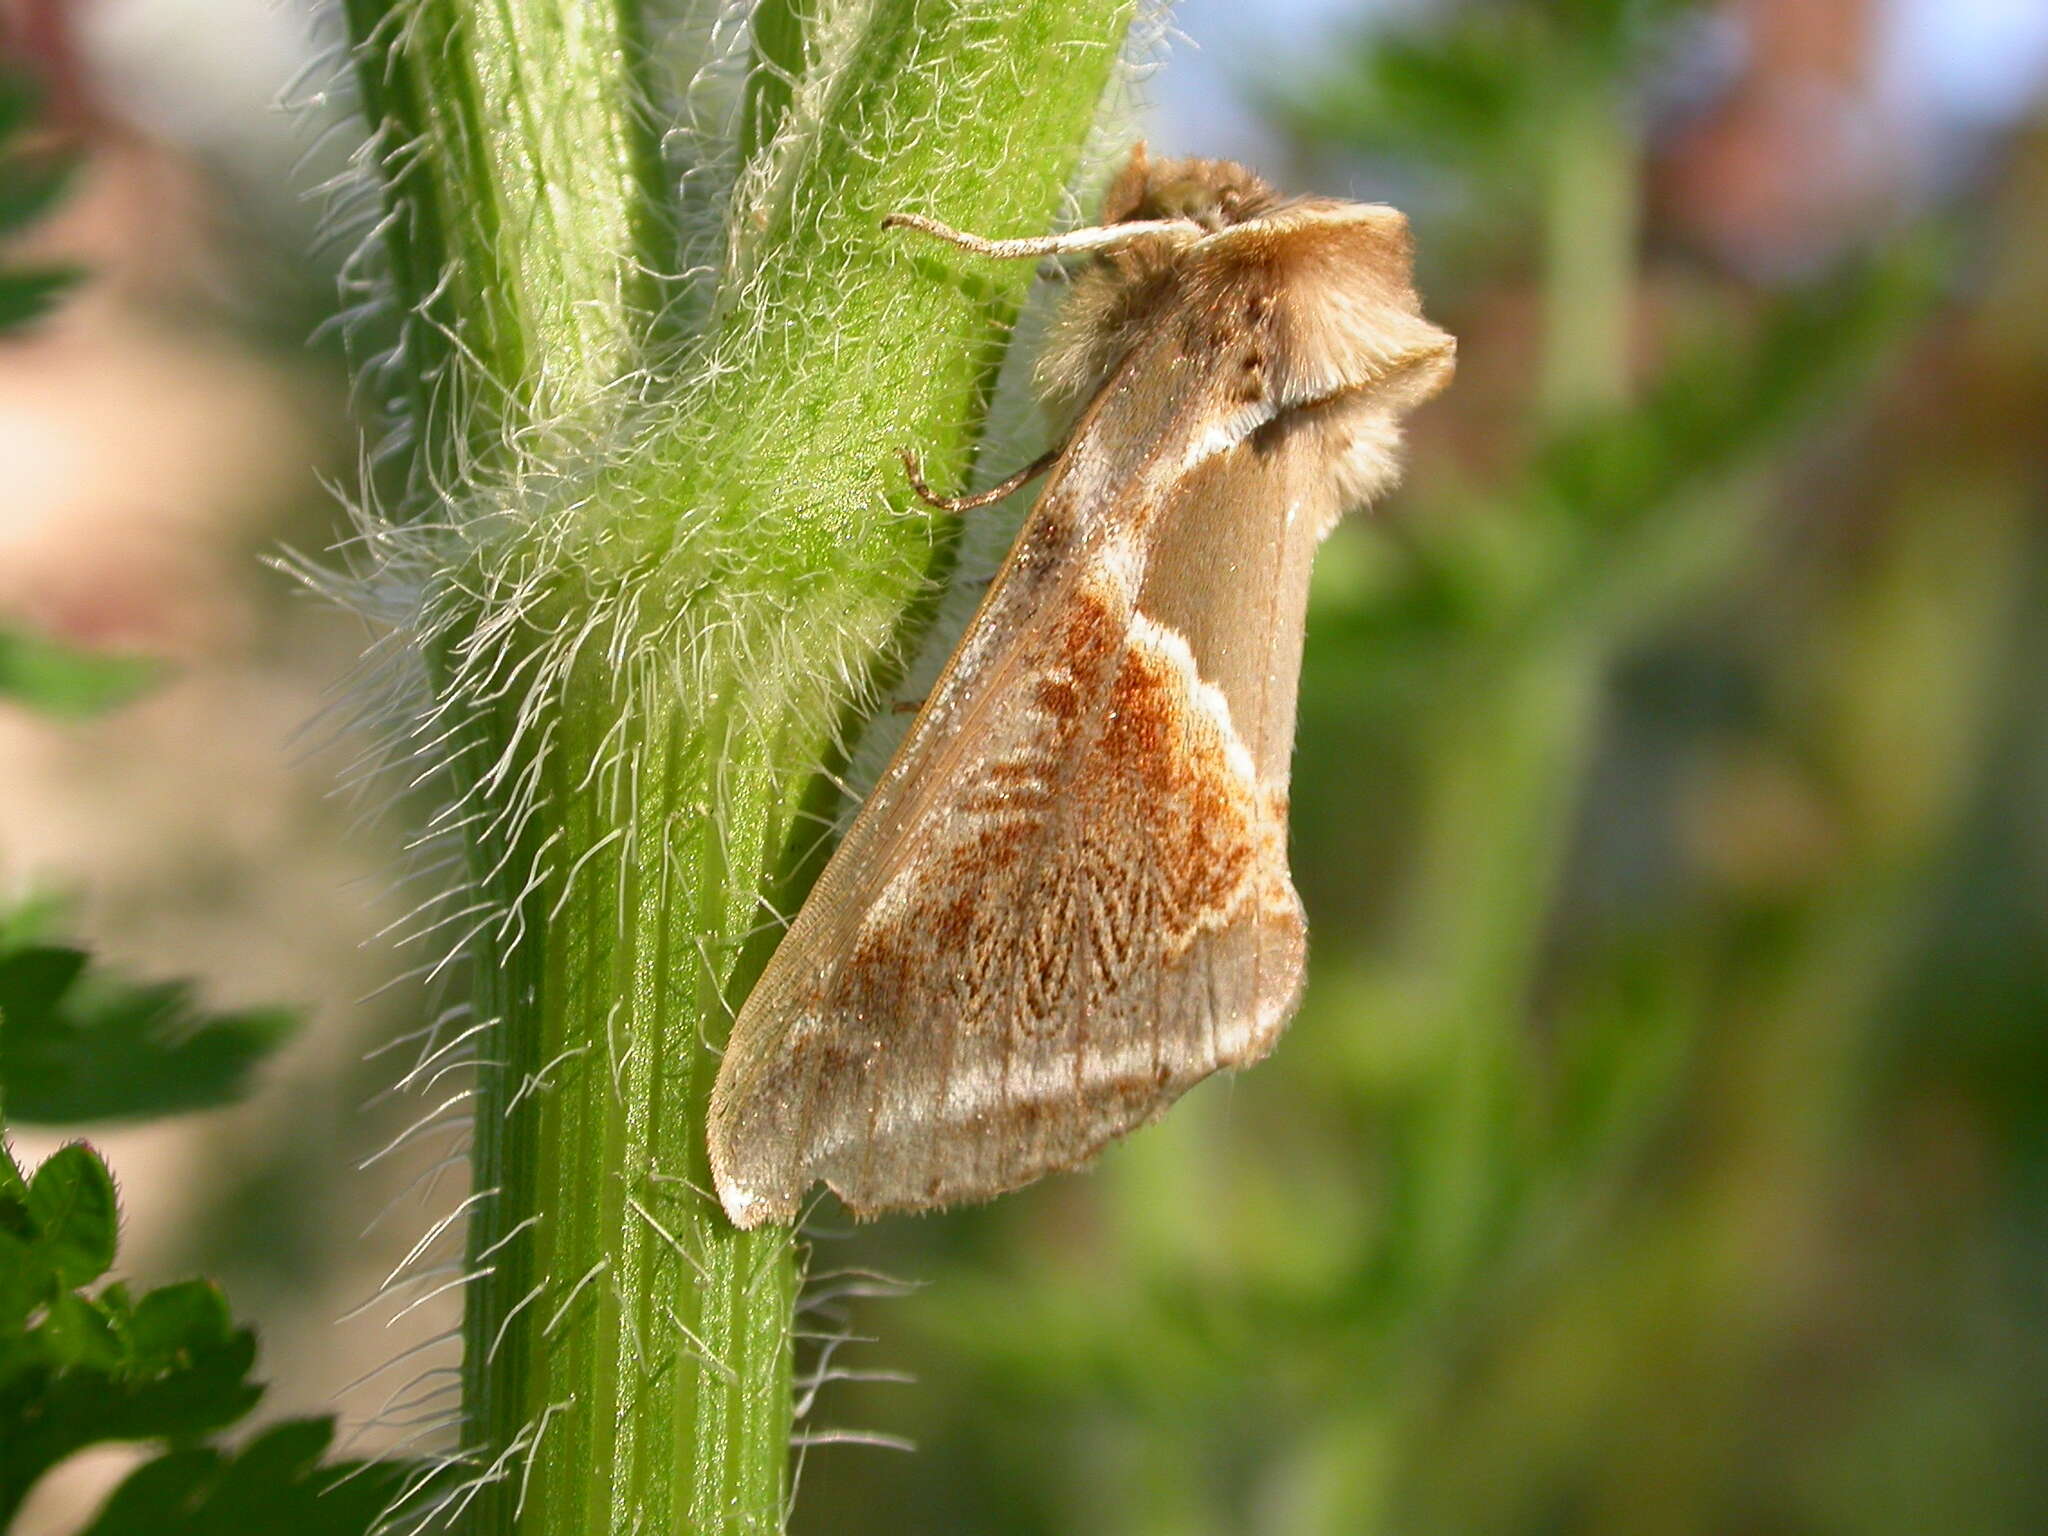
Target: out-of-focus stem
[(1505, 790), (1590, 217)]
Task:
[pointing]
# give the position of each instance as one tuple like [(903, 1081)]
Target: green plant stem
[(1506, 790), (1590, 219), (1507, 772), (524, 219), (731, 586)]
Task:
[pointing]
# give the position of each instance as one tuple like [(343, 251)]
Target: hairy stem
[(524, 222), (672, 583)]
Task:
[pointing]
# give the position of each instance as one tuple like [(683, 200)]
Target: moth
[(1067, 899)]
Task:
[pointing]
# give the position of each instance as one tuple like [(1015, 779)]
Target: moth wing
[(1067, 900), (1085, 910)]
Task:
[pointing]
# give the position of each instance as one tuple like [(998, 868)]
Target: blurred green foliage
[(80, 1368), (82, 1362), (275, 1485), (1663, 1144), (57, 679), (30, 185), (80, 1043), (37, 672)]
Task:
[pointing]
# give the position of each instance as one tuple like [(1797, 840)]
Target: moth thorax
[(1114, 297), (1109, 306), (1212, 193)]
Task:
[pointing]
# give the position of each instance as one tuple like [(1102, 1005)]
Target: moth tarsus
[(1067, 899), (989, 497)]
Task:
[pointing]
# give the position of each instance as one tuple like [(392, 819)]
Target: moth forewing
[(1067, 899)]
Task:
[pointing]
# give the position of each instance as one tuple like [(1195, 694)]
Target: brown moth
[(1067, 900)]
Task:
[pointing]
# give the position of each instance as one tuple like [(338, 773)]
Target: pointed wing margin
[(1088, 912), (1067, 900)]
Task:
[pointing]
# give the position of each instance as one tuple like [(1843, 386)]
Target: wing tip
[(751, 1200), (748, 1208)]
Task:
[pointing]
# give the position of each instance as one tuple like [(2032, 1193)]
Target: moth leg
[(1096, 239), (994, 493)]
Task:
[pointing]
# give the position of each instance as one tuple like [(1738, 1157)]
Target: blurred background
[(1663, 1147)]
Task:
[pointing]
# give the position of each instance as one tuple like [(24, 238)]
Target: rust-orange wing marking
[(1096, 915), (1067, 899)]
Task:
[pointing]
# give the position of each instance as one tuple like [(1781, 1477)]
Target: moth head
[(1290, 305)]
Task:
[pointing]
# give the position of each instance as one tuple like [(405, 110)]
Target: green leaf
[(21, 1289), (167, 1321), (30, 187), (33, 919), (71, 1211), (78, 1370), (20, 1286), (45, 674), (78, 1378), (77, 1043), (79, 1333), (276, 1486)]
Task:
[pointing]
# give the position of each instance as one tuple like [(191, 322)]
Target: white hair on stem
[(518, 562)]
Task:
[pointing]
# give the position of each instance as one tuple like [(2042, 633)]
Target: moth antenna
[(993, 494), (1073, 242)]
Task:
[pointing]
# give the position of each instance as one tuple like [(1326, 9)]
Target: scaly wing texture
[(1097, 915), (1067, 899)]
